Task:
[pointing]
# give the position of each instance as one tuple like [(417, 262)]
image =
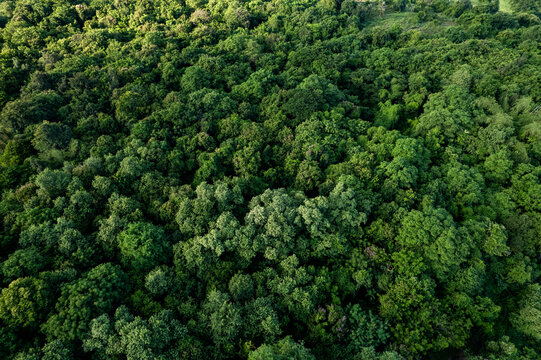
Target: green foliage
[(286, 348), (142, 246), (133, 337), (241, 287), (270, 179), (159, 281), (97, 292), (434, 231), (195, 78), (53, 182), (369, 353), (525, 6), (366, 329), (22, 263), (51, 136), (222, 319), (526, 319), (28, 110), (23, 301), (56, 350)]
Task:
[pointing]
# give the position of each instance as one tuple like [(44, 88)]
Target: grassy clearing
[(409, 21), (505, 6), (388, 19)]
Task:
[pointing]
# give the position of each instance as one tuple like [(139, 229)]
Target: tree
[(222, 318), (143, 246), (448, 117), (14, 152), (30, 109), (56, 350), (195, 78), (308, 176), (294, 286), (133, 337), (466, 186), (22, 263), (410, 304), (526, 319), (369, 353), (236, 16), (271, 224), (23, 302), (496, 241), (130, 104), (241, 287), (433, 234), (498, 166), (262, 320), (521, 5), (388, 115), (195, 215), (312, 94), (247, 161), (525, 184), (51, 136), (53, 182), (97, 292), (286, 348), (81, 208), (366, 329), (159, 281)]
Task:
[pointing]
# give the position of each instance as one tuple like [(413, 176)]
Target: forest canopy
[(270, 179)]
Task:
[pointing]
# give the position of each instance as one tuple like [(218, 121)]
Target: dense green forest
[(270, 179)]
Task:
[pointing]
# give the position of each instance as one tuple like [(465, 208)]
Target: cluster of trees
[(270, 179)]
